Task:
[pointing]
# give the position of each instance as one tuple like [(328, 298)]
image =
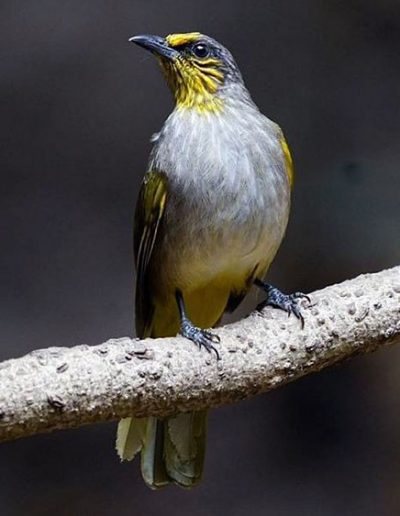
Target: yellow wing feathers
[(288, 161)]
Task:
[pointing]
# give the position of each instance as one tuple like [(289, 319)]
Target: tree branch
[(58, 388)]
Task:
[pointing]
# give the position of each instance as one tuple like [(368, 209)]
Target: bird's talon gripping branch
[(215, 338), (211, 336), (286, 302), (301, 295), (203, 338)]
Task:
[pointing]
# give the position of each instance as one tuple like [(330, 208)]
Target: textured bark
[(58, 388)]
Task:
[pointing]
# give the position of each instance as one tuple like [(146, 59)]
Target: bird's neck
[(199, 100), (206, 98)]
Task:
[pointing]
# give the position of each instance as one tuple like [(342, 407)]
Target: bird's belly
[(224, 246), (211, 267), (228, 257)]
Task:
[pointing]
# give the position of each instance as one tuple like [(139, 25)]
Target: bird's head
[(198, 69)]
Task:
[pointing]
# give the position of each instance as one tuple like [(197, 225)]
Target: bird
[(211, 214)]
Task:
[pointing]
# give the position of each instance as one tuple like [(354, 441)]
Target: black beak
[(155, 44)]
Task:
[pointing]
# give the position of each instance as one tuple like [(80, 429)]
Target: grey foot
[(203, 338), (286, 302)]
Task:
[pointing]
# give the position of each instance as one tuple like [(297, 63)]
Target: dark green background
[(78, 104)]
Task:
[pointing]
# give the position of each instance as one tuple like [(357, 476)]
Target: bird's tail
[(172, 449)]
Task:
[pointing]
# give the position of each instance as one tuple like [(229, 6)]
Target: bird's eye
[(201, 50)]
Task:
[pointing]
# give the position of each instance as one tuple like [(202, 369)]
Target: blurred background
[(78, 105)]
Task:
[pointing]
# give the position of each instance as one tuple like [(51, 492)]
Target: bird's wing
[(150, 209)]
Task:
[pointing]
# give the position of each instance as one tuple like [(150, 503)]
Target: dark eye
[(201, 50)]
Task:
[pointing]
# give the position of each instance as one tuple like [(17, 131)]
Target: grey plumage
[(229, 196)]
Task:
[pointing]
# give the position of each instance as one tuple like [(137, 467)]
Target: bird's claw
[(203, 338), (300, 295), (286, 302)]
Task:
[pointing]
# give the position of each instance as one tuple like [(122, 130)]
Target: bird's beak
[(155, 44)]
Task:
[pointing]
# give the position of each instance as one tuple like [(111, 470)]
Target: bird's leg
[(277, 299), (202, 338)]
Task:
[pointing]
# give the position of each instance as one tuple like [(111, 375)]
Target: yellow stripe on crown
[(176, 40)]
